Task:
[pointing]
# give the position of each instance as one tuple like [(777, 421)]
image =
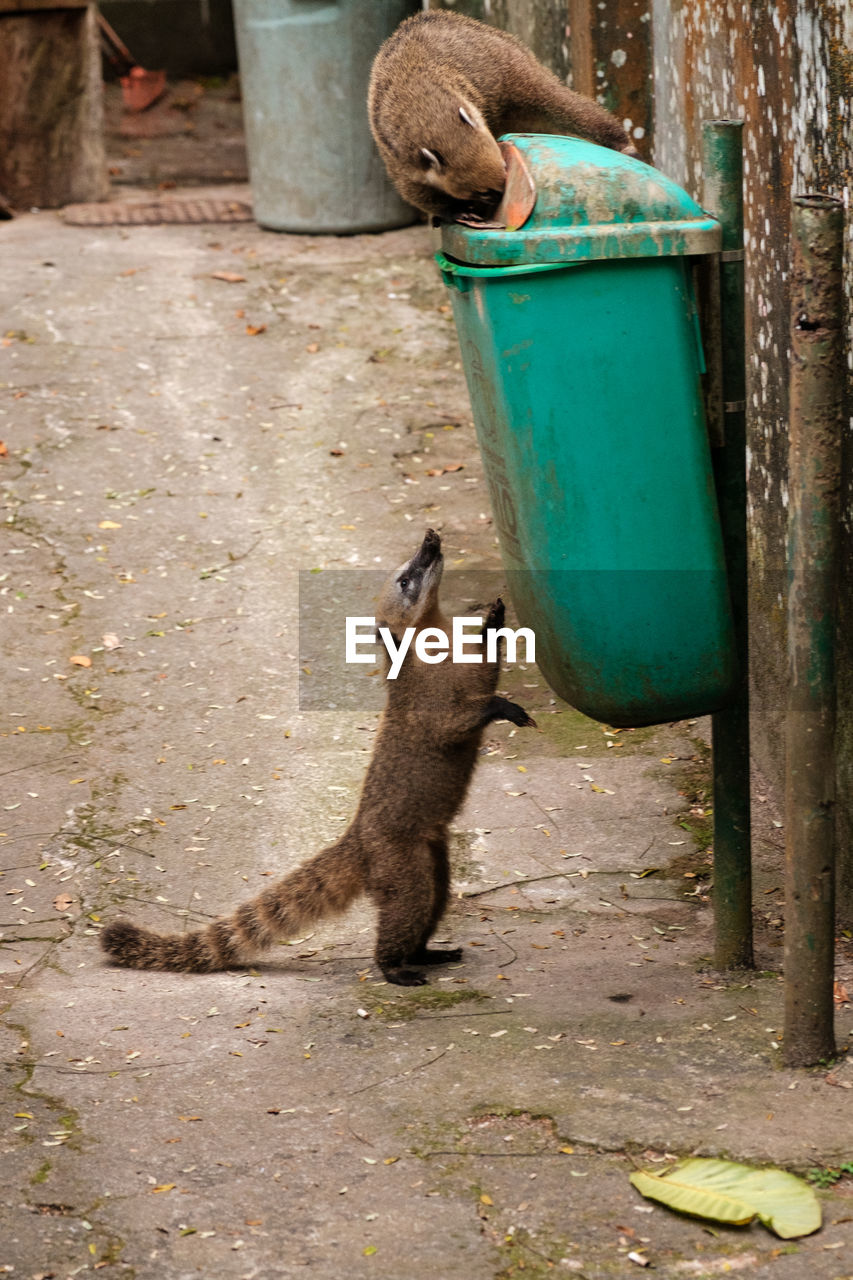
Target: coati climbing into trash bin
[(395, 849), (444, 87)]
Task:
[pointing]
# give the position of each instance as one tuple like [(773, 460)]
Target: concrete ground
[(179, 447)]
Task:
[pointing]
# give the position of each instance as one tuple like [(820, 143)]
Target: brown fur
[(395, 849), (438, 62)]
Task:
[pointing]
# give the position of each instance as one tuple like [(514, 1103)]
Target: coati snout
[(410, 596)]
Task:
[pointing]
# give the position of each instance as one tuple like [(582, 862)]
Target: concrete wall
[(786, 68), (541, 24)]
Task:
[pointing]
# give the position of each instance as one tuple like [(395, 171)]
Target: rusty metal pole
[(722, 166), (814, 484)]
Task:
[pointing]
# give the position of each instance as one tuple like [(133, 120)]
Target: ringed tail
[(324, 886)]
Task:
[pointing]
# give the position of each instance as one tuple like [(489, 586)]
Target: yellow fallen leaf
[(164, 1186), (108, 524), (567, 1151), (735, 1193), (484, 1199), (80, 660)]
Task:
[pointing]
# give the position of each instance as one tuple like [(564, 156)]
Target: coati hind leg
[(424, 954), (406, 904)]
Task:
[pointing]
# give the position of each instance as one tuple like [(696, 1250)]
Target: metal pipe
[(722, 165), (814, 483)]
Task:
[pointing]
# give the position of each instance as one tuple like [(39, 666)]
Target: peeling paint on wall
[(786, 70)]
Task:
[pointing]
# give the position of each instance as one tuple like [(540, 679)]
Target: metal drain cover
[(152, 213)]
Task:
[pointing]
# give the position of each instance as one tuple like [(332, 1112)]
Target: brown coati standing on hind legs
[(395, 848), (444, 87)]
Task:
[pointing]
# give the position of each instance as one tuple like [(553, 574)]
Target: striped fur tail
[(324, 886)]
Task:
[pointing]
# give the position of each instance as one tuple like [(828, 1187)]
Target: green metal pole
[(814, 484), (723, 196)]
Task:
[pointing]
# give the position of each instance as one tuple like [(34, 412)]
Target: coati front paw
[(517, 715), (436, 955), (496, 615), (403, 977), (503, 709)]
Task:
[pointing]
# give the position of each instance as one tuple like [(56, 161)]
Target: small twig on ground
[(232, 559), (514, 884), (401, 1074)]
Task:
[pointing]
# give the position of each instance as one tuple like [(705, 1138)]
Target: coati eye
[(403, 584), (463, 115), (431, 159)]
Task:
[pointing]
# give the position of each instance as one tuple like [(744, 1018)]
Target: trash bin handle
[(455, 273)]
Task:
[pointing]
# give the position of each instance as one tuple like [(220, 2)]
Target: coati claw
[(503, 709), (517, 715)]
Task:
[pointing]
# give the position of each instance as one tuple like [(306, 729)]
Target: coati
[(395, 849), (444, 87)]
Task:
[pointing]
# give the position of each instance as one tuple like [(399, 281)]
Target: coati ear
[(467, 118), (430, 159)]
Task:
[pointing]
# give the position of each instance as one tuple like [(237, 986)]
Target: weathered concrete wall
[(541, 24), (785, 67)]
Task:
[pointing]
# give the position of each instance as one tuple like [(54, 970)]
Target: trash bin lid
[(591, 203)]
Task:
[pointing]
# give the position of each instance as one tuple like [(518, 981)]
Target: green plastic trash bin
[(581, 347), (304, 68)]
